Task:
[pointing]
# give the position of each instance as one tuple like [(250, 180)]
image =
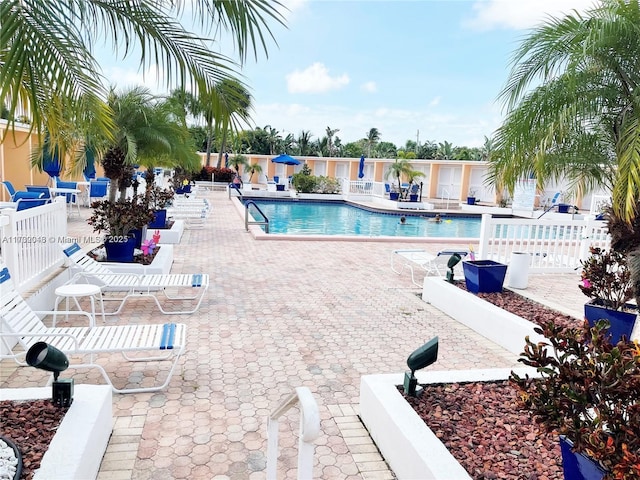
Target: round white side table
[(79, 290)]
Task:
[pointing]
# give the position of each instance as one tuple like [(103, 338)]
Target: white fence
[(554, 245), (28, 242)]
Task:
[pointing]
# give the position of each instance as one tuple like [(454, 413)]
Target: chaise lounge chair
[(20, 328), (119, 287), (421, 259)]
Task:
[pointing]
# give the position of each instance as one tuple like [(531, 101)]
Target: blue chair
[(29, 200), (40, 189), (10, 190), (71, 198), (98, 190)]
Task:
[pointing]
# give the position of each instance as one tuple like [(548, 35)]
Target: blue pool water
[(316, 218)]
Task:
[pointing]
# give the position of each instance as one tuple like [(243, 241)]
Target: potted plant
[(414, 188), (484, 276), (394, 194), (606, 279), (471, 197), (157, 199), (588, 391), (118, 220)]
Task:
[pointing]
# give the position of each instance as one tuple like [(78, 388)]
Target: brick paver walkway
[(278, 315)]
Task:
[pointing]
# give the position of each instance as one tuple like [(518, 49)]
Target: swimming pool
[(299, 217)]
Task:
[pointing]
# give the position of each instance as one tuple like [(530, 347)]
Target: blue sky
[(420, 70)]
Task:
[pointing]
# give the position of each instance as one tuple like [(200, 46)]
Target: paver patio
[(278, 315)]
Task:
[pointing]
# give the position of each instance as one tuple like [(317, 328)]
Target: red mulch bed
[(481, 423), (30, 425)]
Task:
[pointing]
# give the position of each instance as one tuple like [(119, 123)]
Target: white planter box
[(498, 325), (161, 263), (168, 235), (77, 448), (408, 445)]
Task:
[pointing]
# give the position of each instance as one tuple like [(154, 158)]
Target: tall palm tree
[(371, 140), (228, 104), (273, 139), (330, 133), (573, 107), (48, 70), (304, 142)]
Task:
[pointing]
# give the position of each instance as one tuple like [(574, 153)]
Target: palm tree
[(228, 105), (253, 168), (47, 66), (401, 167), (273, 137), (304, 141), (330, 133), (573, 109), (445, 151), (372, 138), (146, 132)]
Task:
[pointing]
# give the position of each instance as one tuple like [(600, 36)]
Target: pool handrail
[(264, 222)]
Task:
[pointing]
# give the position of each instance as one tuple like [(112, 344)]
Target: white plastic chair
[(421, 259)]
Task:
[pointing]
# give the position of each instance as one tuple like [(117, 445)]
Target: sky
[(420, 70)]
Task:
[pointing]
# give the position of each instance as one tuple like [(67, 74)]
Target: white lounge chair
[(119, 287), (421, 259), (20, 328)]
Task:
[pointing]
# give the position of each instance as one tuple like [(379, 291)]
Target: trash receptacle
[(519, 270)]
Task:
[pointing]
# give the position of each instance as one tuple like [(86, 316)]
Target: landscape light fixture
[(46, 357), (453, 261), (420, 358)]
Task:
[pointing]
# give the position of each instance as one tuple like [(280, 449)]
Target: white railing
[(554, 245), (309, 431), (28, 242)]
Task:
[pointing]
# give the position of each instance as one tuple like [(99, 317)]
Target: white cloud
[(315, 79), (435, 101), (519, 15), (369, 87)]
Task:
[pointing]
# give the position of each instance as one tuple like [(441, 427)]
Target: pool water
[(317, 218)]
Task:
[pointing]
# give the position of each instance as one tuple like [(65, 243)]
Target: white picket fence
[(29, 242), (555, 246)]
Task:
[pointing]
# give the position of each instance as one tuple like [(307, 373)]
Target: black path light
[(453, 261), (420, 358), (46, 357)]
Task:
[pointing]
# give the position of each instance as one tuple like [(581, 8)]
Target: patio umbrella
[(51, 162), (90, 170), (361, 167), (226, 159), (285, 159)]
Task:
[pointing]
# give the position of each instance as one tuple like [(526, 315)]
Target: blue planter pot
[(563, 208), (471, 200), (484, 276), (159, 219), (413, 198), (621, 322), (394, 195), (577, 466), (120, 251)]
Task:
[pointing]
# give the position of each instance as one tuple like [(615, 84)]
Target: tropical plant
[(401, 167), (146, 131), (606, 277), (46, 61), (587, 390), (304, 140), (371, 140), (119, 218), (253, 168), (330, 144), (573, 111), (237, 161)]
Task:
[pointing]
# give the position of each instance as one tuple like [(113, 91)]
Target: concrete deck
[(278, 314)]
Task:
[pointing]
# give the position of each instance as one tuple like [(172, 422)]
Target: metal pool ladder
[(247, 222)]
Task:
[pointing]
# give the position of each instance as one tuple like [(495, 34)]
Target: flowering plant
[(588, 390), (606, 277)]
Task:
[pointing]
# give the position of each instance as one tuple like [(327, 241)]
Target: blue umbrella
[(90, 170), (361, 167), (226, 159), (51, 162), (286, 159)]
